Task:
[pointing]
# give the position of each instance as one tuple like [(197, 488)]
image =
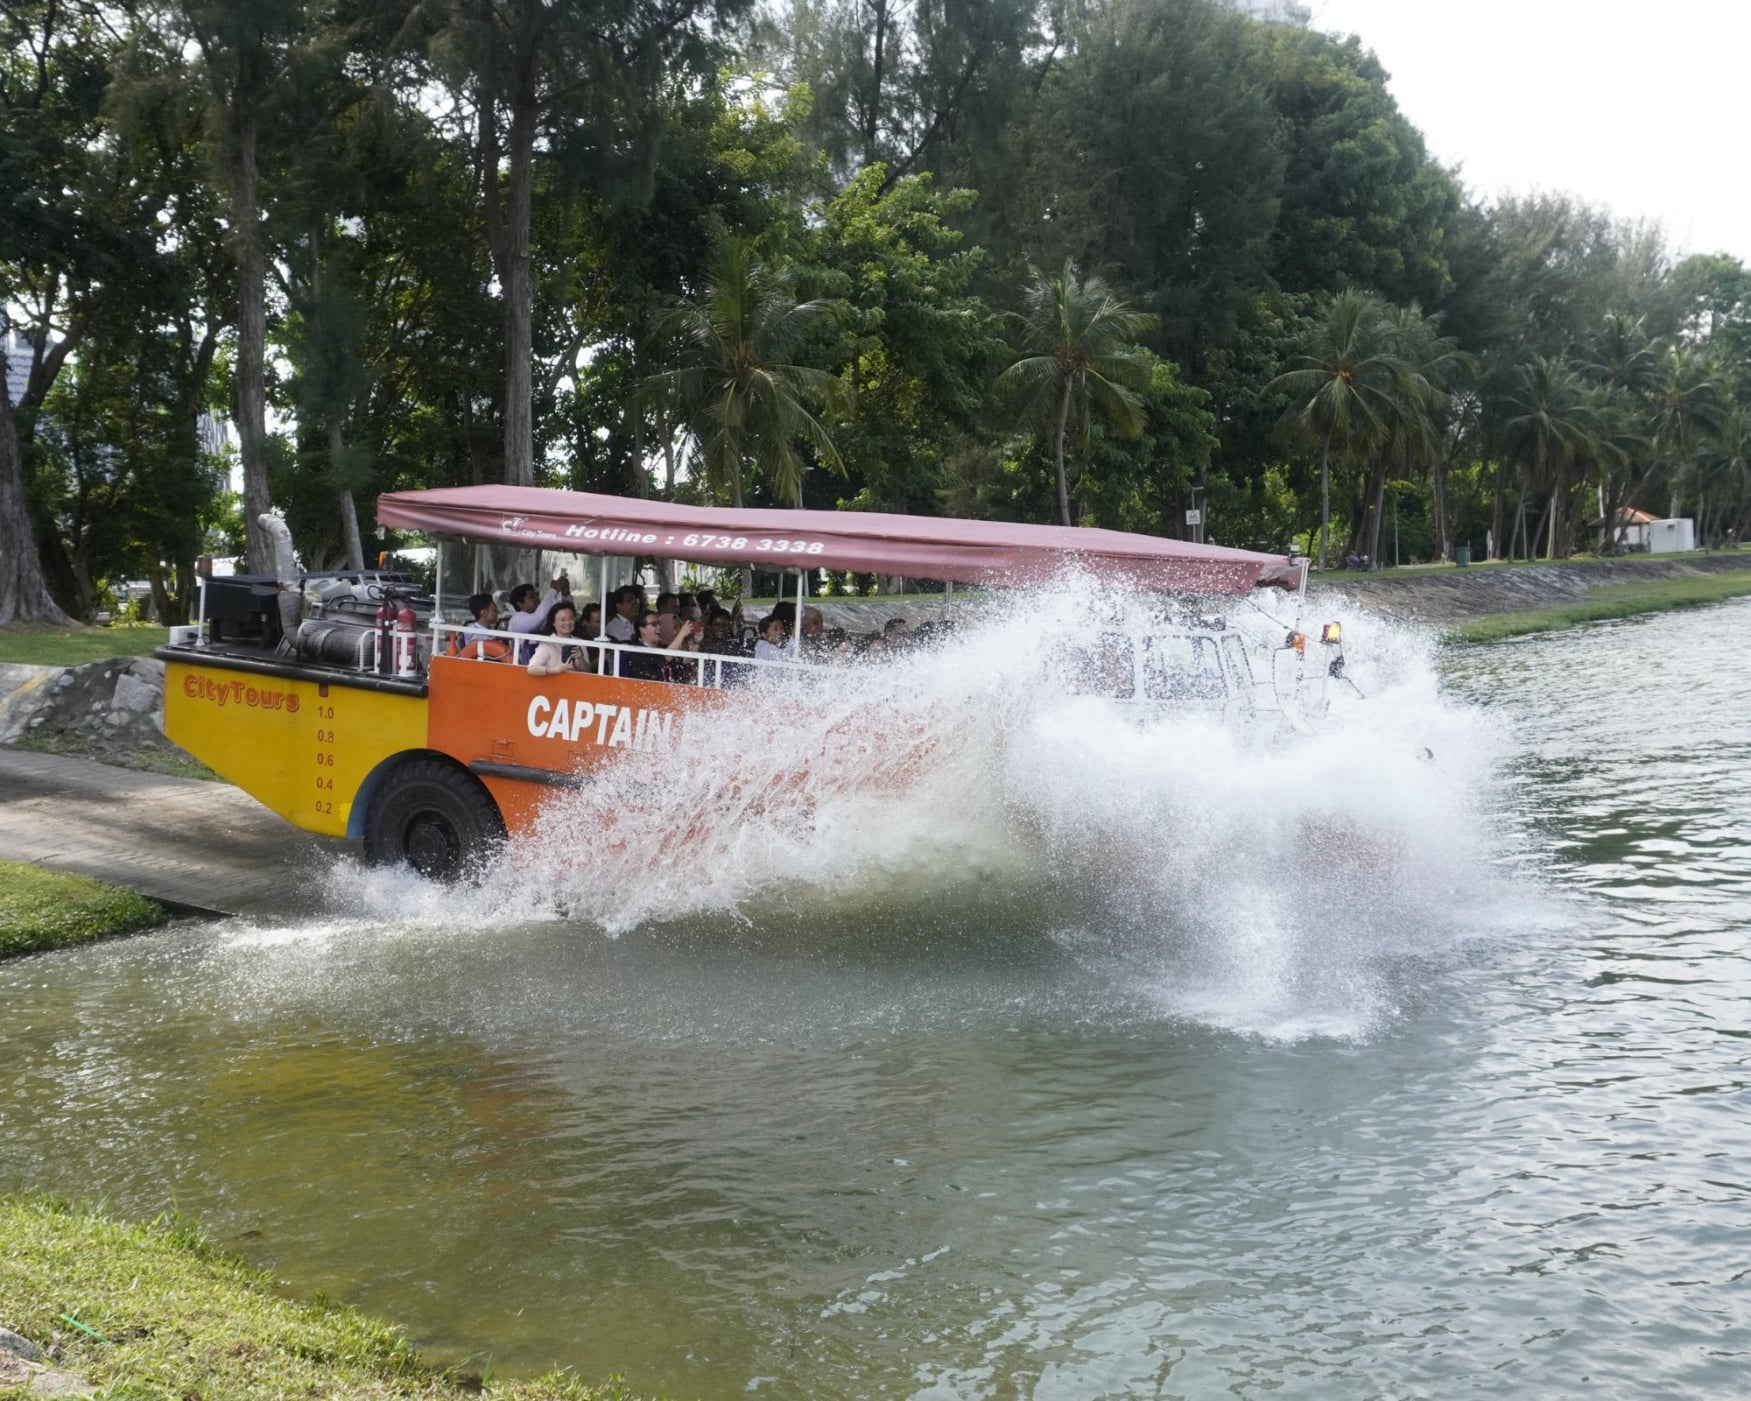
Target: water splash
[(1243, 874)]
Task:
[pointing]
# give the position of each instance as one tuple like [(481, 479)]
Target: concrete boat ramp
[(194, 846)]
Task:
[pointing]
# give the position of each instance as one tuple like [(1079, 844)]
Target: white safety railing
[(709, 669)]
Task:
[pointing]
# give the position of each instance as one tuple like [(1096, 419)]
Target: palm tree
[(1624, 361), (742, 396), (1342, 389), (1431, 367), (1548, 421), (1727, 469), (1686, 402), (1082, 359)]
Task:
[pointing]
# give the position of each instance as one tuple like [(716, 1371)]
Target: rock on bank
[(111, 710)]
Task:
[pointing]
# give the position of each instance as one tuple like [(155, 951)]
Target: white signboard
[(1194, 517)]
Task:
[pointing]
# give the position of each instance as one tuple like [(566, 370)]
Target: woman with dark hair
[(559, 652)]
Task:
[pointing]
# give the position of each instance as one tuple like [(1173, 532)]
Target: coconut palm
[(1549, 421), (1343, 389), (1624, 360), (1082, 360), (1431, 369), (735, 384), (1686, 402), (1726, 467)]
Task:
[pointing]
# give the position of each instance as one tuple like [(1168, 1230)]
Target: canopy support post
[(437, 603)]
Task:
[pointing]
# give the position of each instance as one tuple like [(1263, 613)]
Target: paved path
[(194, 844)]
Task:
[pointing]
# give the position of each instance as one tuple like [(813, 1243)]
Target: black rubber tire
[(434, 817)]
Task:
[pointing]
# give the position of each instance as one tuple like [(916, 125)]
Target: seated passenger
[(649, 662), (590, 625), (720, 634), (668, 617), (774, 635), (628, 603), (477, 645), (558, 653)]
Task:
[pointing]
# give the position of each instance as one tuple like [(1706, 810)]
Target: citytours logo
[(223, 693)]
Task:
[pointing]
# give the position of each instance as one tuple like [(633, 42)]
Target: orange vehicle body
[(320, 747)]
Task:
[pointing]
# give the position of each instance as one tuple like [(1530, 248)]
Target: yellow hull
[(300, 746)]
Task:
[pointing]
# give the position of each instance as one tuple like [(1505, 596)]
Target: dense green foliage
[(49, 910), (794, 254), (164, 1314)]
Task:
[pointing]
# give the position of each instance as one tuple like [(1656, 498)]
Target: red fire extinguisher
[(406, 651)]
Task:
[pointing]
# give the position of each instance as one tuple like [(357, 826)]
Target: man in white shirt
[(628, 604), (529, 612)]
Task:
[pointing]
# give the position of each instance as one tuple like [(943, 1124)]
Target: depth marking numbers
[(323, 714)]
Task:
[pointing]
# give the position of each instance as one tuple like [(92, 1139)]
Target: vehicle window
[(1102, 668), (1183, 669), (1239, 667)]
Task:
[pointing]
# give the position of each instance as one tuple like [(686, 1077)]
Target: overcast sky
[(1640, 107)]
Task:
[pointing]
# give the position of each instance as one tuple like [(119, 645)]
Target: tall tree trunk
[(24, 596), (668, 453), (1555, 513), (1324, 500), (1498, 516), (1375, 509), (519, 294), (1438, 495), (349, 513), (872, 116), (1058, 456), (251, 343)]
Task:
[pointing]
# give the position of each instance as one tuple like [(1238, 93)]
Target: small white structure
[(1671, 537), (1631, 528)]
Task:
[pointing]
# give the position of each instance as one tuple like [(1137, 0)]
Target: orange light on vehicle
[(1331, 635)]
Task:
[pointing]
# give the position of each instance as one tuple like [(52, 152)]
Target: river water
[(1115, 1066)]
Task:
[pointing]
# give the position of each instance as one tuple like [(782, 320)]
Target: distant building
[(212, 431), (1631, 528), (18, 357), (1673, 536)]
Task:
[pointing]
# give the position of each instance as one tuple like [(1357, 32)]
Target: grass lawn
[(1610, 601), (44, 646), (49, 910), (164, 1317)]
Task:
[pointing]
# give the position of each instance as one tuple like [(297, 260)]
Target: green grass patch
[(1608, 602), (49, 910), (177, 1320), (41, 646)]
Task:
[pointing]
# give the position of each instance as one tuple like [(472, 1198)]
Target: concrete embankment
[(1454, 596)]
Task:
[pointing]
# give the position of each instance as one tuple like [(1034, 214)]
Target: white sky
[(1639, 107)]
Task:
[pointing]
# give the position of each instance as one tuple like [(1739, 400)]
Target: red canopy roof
[(918, 547)]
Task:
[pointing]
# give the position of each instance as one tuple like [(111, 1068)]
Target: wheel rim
[(432, 844)]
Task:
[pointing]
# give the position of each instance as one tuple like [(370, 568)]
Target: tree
[(1081, 359), (1343, 389), (24, 596), (743, 397), (1686, 402), (567, 84), (917, 346), (1548, 423), (245, 48)]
